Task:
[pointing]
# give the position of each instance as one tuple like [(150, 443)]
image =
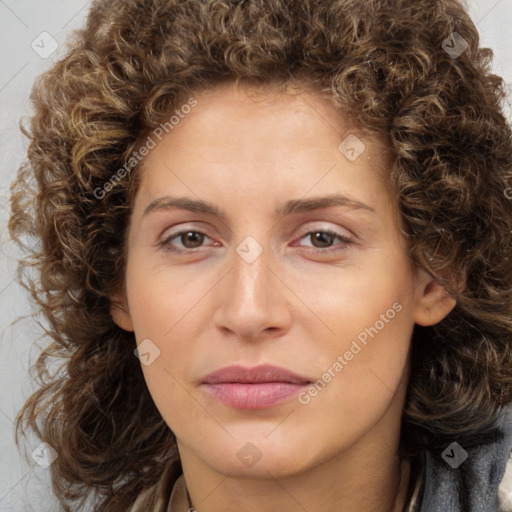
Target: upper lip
[(254, 375)]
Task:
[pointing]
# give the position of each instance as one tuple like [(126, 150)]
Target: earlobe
[(120, 313), (433, 303)]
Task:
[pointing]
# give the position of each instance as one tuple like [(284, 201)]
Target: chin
[(258, 457)]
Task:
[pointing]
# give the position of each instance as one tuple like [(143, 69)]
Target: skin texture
[(291, 307)]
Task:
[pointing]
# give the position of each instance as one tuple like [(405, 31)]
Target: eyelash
[(165, 244)]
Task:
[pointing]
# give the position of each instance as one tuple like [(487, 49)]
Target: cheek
[(372, 299), (361, 374), (363, 360), (162, 298)]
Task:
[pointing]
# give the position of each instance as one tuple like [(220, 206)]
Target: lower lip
[(254, 396)]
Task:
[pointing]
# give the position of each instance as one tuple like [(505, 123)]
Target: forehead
[(249, 135), (243, 119)]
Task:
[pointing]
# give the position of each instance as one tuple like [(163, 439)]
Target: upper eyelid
[(336, 230), (305, 231), (176, 230)]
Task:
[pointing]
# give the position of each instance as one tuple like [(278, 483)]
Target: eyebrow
[(290, 207)]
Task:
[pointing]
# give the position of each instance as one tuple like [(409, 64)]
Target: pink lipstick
[(253, 388)]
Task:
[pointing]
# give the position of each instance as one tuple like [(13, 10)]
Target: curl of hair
[(383, 63)]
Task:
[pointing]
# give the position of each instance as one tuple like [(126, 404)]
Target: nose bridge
[(251, 297), (251, 275)]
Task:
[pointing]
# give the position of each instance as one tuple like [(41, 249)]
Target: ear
[(433, 302), (120, 313)]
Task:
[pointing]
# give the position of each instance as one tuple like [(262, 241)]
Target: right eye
[(189, 239)]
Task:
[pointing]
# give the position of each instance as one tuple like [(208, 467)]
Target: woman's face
[(293, 259)]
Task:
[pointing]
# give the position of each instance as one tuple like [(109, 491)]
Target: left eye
[(325, 238)]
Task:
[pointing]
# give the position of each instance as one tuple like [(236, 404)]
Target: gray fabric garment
[(473, 485)]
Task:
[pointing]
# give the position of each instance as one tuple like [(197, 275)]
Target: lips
[(258, 387)]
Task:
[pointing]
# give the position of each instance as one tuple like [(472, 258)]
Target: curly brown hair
[(385, 64)]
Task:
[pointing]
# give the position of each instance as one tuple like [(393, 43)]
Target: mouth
[(258, 387)]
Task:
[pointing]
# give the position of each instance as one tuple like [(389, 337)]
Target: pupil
[(322, 237), (190, 236)]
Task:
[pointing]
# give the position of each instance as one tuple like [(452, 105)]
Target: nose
[(252, 300)]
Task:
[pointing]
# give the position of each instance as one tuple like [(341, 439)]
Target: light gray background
[(24, 486)]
